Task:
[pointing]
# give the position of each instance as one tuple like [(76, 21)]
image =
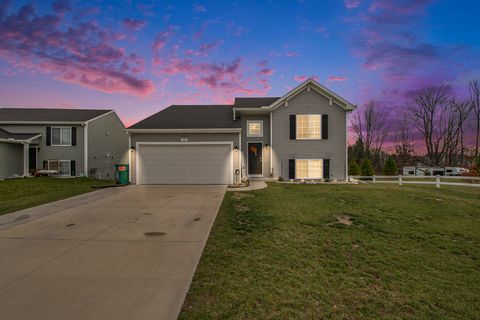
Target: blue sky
[(138, 57)]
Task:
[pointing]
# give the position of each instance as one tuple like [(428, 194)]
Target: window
[(62, 166), (308, 126), (61, 136), (255, 128), (309, 169)]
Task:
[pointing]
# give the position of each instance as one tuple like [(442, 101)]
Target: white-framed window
[(62, 166), (61, 136), (254, 128), (309, 126), (309, 169)]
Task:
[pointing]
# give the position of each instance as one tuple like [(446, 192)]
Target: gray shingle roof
[(190, 117), (49, 115), (254, 102), (4, 134)]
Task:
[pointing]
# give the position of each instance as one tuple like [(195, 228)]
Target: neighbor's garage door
[(185, 164)]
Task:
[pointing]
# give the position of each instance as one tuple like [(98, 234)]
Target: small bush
[(390, 167), (366, 167)]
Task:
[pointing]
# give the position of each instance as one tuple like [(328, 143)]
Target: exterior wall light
[(266, 145), (235, 148), (132, 148)]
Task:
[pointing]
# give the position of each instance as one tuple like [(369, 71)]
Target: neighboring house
[(75, 142), (302, 135)]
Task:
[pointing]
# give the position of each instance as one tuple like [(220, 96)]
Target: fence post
[(374, 179), (437, 181), (400, 180)]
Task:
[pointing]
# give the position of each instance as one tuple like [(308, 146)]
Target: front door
[(254, 158), (32, 159)]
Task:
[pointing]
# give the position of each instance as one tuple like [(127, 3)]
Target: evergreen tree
[(390, 167), (366, 167), (353, 168)]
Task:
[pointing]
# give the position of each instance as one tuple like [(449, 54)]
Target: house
[(75, 142), (302, 135)]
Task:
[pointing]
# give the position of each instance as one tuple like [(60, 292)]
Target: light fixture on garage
[(266, 145), (235, 148), (132, 148)]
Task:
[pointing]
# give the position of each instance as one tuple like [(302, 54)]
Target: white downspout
[(240, 155), (271, 146), (85, 147), (346, 146), (129, 150)]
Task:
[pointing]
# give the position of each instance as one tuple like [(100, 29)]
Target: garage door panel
[(185, 164)]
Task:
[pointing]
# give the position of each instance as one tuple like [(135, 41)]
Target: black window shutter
[(326, 169), (45, 165), (49, 136), (324, 126), (291, 169), (72, 167), (74, 136), (293, 127)]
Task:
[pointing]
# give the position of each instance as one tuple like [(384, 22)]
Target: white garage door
[(184, 163)]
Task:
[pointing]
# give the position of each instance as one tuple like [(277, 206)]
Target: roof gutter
[(191, 130)]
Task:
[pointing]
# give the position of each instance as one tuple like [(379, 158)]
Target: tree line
[(441, 121)]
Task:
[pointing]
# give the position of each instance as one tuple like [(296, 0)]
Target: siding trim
[(201, 130), (139, 143)]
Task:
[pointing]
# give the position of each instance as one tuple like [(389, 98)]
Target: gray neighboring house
[(76, 142), (301, 135)]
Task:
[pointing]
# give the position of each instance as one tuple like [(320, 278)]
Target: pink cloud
[(351, 4), (267, 71), (291, 54), (162, 37), (134, 24), (205, 49), (301, 78), (336, 79), (82, 54)]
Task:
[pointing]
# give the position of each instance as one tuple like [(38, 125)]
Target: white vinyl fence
[(433, 180)]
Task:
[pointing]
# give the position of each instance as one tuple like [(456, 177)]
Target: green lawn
[(411, 252), (17, 194)]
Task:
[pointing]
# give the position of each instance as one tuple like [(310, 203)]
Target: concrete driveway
[(119, 253)]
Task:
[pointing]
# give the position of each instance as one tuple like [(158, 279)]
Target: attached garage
[(184, 162)]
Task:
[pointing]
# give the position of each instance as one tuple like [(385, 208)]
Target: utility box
[(121, 173)]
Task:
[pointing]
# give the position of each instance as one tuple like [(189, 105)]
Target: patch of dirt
[(241, 208), (345, 220), (241, 195)]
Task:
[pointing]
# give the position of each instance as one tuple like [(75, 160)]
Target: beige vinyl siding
[(264, 140), (51, 152), (105, 150), (11, 159), (176, 137), (333, 148)]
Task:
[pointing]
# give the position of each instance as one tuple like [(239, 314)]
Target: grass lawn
[(17, 194), (411, 252)]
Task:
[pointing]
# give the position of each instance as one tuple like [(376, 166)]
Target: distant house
[(302, 135), (74, 142)]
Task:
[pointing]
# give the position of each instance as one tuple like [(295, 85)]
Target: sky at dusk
[(138, 57)]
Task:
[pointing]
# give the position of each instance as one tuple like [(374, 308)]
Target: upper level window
[(308, 126), (255, 128), (61, 136)]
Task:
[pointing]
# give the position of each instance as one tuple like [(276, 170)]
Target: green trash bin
[(121, 173)]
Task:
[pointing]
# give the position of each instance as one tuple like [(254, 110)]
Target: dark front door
[(254, 158), (32, 159)]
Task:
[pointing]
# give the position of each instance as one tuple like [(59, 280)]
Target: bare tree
[(474, 88), (404, 145), (370, 129), (454, 143), (428, 112)]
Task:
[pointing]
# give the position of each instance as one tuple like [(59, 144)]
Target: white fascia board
[(310, 83), (212, 130), (262, 110), (12, 141), (42, 122)]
